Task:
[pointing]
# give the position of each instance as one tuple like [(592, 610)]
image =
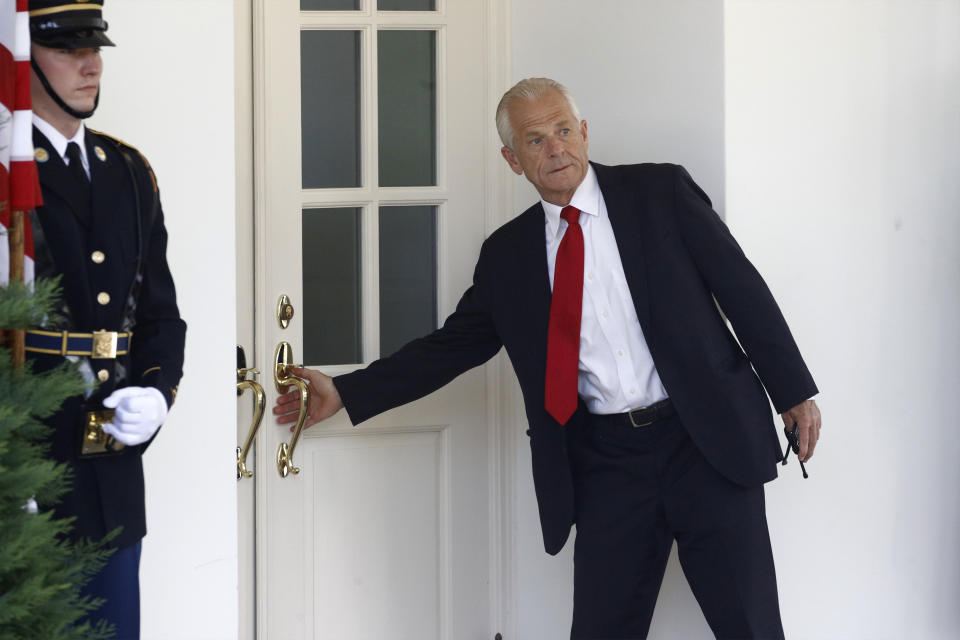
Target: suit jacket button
[(98, 257), (103, 375), (103, 298)]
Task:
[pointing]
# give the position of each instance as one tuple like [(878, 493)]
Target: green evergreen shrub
[(41, 570)]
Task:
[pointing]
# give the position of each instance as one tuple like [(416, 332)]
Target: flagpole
[(17, 336)]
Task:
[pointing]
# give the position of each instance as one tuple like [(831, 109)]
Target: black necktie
[(76, 164)]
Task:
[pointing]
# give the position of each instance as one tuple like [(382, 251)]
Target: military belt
[(100, 345)]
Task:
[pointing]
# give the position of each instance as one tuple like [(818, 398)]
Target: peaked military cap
[(68, 24)]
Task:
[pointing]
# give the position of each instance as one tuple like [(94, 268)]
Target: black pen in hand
[(793, 442)]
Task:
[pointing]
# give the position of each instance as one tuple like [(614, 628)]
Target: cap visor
[(101, 39), (91, 38)]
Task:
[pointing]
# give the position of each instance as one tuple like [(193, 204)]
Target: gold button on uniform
[(98, 257), (103, 375), (103, 298)]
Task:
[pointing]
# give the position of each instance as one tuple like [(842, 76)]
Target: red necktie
[(563, 337)]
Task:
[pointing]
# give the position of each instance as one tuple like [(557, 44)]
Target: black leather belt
[(644, 416), (99, 344)]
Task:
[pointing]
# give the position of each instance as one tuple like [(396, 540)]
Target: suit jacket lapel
[(531, 280), (56, 177), (533, 265), (520, 272), (627, 222)]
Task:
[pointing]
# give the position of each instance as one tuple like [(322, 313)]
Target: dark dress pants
[(118, 582), (637, 490)]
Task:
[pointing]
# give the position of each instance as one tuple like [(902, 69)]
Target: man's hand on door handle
[(324, 399)]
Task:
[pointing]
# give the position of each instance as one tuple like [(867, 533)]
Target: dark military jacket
[(97, 246)]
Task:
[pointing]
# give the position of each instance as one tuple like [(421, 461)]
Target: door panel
[(371, 137), (403, 491)]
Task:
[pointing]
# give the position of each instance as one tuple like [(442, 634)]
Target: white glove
[(139, 413)]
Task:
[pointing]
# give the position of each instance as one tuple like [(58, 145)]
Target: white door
[(371, 141)]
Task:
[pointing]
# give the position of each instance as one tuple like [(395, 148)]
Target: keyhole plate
[(285, 311)]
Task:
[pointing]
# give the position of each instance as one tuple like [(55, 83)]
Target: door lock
[(284, 311)]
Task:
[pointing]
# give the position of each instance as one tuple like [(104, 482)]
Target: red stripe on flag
[(25, 186), (22, 95), (23, 5), (8, 74)]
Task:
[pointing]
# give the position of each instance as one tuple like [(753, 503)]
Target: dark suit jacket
[(678, 256), (107, 492)]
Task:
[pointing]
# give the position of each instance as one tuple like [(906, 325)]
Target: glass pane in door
[(407, 97), (408, 275), (330, 108), (331, 286), (407, 5), (329, 5)]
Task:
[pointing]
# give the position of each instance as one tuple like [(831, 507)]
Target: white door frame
[(505, 409), (243, 113)]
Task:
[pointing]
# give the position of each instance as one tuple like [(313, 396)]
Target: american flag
[(19, 186)]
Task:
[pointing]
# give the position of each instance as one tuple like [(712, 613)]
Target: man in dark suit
[(648, 423), (101, 231)]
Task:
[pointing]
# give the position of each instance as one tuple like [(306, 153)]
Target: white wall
[(648, 79), (832, 130), (168, 89), (843, 185)]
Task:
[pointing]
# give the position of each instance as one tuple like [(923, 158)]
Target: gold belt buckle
[(104, 345), (95, 442)]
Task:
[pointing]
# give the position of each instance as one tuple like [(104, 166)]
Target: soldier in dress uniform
[(100, 230)]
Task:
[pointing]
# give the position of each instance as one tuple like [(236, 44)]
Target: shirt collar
[(58, 140), (586, 198)]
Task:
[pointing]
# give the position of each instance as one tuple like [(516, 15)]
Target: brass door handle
[(282, 361), (259, 402)]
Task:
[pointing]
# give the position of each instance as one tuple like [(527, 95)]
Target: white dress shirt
[(60, 142), (616, 370)]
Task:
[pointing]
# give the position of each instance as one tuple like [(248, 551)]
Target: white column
[(168, 88), (843, 157)]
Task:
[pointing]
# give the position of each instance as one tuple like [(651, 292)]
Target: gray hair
[(529, 89)]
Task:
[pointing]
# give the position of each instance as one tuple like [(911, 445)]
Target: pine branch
[(23, 307), (41, 570)]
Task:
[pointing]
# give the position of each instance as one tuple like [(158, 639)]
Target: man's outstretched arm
[(466, 339)]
